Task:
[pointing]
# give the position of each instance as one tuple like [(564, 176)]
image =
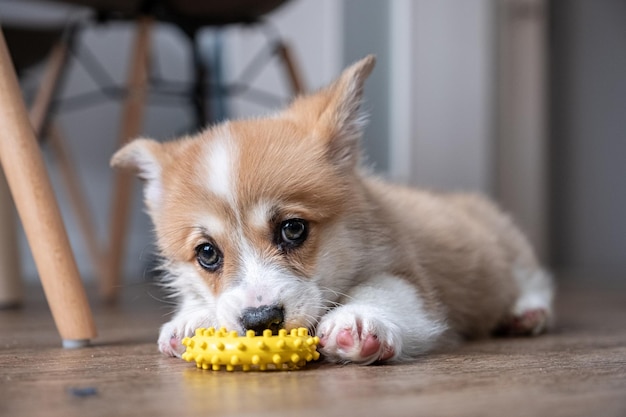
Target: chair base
[(76, 343)]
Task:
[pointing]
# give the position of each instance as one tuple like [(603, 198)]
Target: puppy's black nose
[(264, 317)]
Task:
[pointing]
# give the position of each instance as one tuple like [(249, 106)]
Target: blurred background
[(522, 100)]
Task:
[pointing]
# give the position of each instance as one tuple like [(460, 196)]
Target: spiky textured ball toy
[(212, 349)]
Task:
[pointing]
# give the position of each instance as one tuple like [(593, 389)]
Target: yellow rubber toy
[(212, 349)]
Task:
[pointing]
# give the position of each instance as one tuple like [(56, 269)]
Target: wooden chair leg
[(10, 282), (132, 118), (50, 81), (39, 113), (293, 72), (10, 274), (32, 192)]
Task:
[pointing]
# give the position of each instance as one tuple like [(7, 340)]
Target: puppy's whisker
[(161, 300), (338, 294)]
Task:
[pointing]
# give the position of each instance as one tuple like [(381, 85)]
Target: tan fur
[(458, 252)]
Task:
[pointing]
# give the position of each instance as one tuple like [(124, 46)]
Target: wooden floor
[(578, 370)]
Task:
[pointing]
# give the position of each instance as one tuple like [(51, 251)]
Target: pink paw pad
[(344, 339), (175, 343), (357, 342), (529, 322), (370, 346)]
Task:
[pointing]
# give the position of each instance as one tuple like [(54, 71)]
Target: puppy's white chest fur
[(271, 223)]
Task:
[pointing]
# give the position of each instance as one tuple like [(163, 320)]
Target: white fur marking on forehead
[(259, 215), (220, 165)]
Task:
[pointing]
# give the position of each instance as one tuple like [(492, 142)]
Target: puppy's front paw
[(353, 334), (173, 332), (170, 339)]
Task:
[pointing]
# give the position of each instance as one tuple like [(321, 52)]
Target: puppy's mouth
[(270, 317)]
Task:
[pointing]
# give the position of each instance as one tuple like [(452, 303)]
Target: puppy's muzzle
[(263, 317)]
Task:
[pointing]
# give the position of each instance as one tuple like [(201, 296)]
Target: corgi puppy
[(274, 223)]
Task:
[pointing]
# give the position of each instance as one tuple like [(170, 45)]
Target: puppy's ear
[(144, 156), (340, 118)]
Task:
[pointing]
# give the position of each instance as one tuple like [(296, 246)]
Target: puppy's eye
[(208, 257), (293, 232)]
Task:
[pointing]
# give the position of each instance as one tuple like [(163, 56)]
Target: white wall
[(589, 137), (521, 175), (311, 27), (366, 28), (442, 86)]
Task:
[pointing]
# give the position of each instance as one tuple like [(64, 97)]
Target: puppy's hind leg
[(532, 312), (383, 319)]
